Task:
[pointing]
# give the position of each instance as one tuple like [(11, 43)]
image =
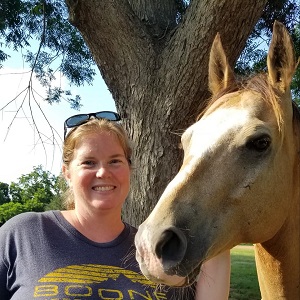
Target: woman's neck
[(98, 228)]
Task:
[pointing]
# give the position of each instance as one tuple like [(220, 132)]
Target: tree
[(15, 192), (61, 48), (156, 68), (4, 193), (254, 57), (39, 186), (153, 56), (9, 210), (37, 191), (57, 201)]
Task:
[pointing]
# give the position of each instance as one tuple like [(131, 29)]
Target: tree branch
[(190, 43), (113, 33)]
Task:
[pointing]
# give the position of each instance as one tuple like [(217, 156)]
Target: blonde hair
[(76, 134)]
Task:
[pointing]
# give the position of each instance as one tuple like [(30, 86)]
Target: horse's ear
[(281, 58), (220, 74)]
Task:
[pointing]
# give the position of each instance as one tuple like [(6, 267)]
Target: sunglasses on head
[(77, 120)]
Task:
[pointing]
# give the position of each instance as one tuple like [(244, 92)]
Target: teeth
[(103, 188)]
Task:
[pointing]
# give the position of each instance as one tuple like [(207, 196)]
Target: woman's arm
[(214, 278)]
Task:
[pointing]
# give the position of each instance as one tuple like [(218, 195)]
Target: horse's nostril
[(171, 247)]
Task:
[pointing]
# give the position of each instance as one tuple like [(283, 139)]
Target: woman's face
[(99, 174)]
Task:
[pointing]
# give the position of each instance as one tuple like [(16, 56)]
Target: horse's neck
[(277, 261)]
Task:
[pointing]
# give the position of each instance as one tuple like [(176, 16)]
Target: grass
[(243, 281)]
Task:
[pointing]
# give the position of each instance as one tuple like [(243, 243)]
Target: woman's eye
[(88, 162), (259, 144), (115, 161)]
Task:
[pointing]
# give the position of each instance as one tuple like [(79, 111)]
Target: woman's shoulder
[(27, 218)]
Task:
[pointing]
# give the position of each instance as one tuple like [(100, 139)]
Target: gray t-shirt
[(43, 257)]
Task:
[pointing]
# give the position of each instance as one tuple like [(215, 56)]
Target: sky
[(21, 148)]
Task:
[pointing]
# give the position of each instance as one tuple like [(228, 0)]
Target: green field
[(243, 281)]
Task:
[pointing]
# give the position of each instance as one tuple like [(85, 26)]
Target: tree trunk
[(156, 69)]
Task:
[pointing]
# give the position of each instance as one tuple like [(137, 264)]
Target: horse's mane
[(296, 122), (260, 84)]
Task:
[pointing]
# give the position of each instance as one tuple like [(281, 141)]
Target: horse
[(239, 181)]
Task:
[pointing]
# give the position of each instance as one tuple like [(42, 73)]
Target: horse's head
[(236, 178)]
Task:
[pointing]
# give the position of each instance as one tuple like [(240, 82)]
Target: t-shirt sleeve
[(3, 275), (3, 262)]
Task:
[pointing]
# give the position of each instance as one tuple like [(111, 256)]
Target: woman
[(87, 251)]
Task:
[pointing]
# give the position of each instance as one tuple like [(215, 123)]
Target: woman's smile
[(104, 188)]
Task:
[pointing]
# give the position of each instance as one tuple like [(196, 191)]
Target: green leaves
[(53, 47), (253, 59), (62, 50), (36, 191), (4, 193), (9, 210)]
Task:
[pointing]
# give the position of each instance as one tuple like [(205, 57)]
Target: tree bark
[(156, 70)]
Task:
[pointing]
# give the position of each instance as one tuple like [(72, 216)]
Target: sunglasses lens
[(76, 120), (109, 115), (80, 119)]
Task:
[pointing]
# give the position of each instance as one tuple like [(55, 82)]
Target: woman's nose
[(103, 171)]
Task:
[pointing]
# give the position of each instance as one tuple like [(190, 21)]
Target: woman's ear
[(66, 174)]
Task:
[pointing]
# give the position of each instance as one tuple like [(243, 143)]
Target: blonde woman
[(87, 251)]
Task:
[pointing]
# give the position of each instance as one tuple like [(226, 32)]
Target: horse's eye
[(259, 144)]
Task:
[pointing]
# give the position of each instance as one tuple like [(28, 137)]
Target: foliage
[(57, 200), (37, 191), (8, 210), (4, 193), (38, 185), (181, 6), (296, 80), (61, 47), (253, 59)]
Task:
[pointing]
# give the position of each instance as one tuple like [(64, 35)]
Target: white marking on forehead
[(210, 130), (203, 136)]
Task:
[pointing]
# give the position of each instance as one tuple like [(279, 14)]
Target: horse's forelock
[(258, 83), (229, 89), (262, 85)]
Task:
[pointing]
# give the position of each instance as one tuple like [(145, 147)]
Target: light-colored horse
[(239, 181)]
